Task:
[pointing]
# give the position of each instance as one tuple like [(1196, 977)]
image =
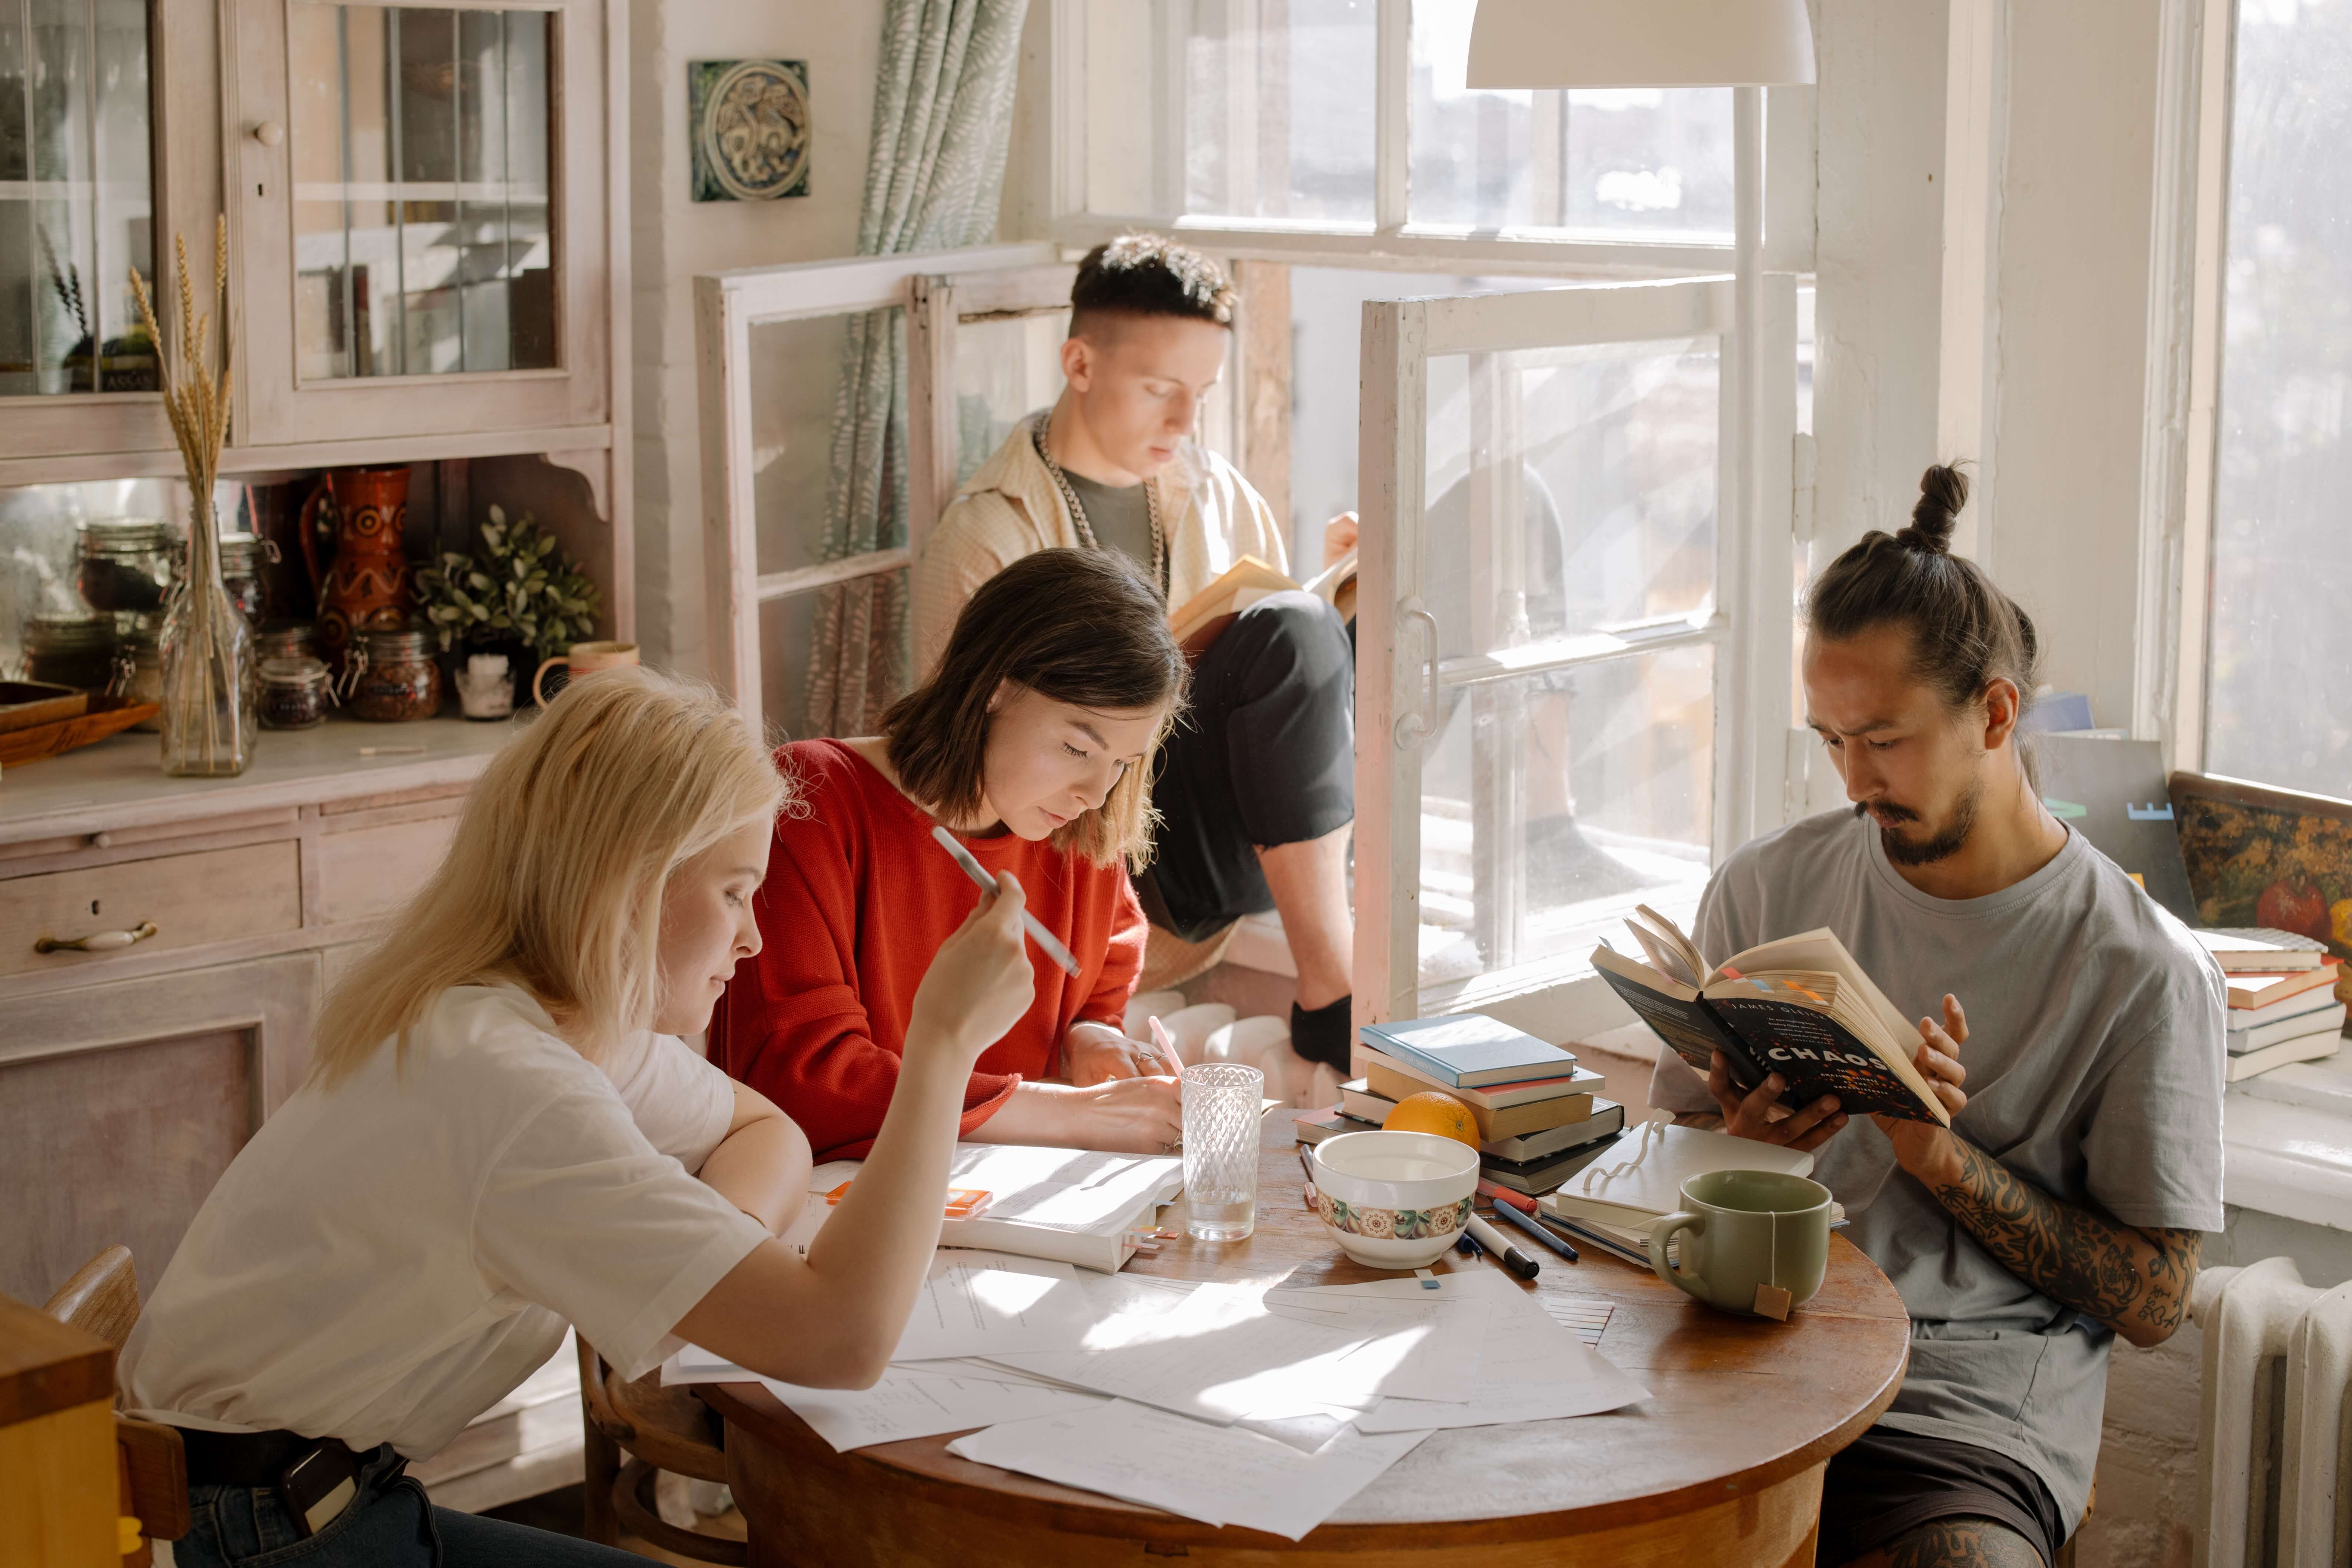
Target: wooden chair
[(150, 1464), (632, 1432), (2066, 1553)]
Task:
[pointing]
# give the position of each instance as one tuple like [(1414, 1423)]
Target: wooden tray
[(106, 716), (23, 703)]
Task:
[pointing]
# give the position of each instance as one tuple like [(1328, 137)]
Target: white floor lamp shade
[(1641, 42)]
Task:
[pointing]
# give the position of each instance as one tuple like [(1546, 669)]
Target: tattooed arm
[(2134, 1281)]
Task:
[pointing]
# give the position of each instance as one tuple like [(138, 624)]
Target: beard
[(1943, 845)]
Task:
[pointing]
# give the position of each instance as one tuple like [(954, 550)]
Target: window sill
[(2286, 1143)]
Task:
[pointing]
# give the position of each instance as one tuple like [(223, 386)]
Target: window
[(77, 196), (2280, 574)]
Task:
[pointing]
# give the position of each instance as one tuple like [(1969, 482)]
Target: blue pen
[(1527, 1222)]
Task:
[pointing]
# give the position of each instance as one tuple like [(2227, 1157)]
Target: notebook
[(1641, 1176), (1469, 1050), (1071, 1205)]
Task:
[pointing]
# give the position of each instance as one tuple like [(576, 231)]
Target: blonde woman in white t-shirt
[(501, 1134)]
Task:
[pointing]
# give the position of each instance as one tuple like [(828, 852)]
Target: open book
[(1800, 1007), (1199, 618)]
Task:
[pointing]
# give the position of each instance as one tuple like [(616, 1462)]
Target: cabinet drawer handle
[(98, 941)]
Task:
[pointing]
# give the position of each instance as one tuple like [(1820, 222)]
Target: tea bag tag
[(1772, 1301)]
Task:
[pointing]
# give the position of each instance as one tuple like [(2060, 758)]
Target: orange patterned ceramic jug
[(367, 587)]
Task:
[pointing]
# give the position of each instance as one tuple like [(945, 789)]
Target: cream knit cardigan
[(1012, 507)]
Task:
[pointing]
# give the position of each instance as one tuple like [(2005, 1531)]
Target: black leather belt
[(253, 1458)]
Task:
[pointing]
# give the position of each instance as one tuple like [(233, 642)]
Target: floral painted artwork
[(2266, 857), (748, 126)]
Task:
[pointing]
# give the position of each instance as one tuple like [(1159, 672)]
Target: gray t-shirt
[(1121, 518), (2094, 1060)]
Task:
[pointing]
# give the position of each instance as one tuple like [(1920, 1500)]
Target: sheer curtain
[(942, 119)]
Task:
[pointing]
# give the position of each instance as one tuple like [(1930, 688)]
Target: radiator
[(2273, 1451)]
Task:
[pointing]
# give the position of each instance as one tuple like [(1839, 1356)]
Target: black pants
[(1265, 756), (1887, 1483)]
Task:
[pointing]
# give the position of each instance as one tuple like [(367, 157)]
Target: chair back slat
[(101, 1298)]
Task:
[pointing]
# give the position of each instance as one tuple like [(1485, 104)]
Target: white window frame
[(934, 287), (1750, 624)]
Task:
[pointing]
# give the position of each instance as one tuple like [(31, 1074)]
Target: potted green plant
[(498, 612)]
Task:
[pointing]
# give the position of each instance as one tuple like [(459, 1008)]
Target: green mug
[(1753, 1242)]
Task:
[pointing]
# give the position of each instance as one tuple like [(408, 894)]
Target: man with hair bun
[(1256, 794), (2063, 1207)]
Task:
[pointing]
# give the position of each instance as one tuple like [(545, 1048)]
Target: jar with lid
[(123, 565), (242, 558), (400, 679), (286, 639), (139, 666), (294, 693), (70, 648)]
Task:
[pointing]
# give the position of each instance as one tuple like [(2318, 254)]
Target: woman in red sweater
[(1034, 742)]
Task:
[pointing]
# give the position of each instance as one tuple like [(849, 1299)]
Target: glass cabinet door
[(424, 217), (1560, 627)]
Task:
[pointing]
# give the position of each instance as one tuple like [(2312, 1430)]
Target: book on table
[(2261, 988), (2327, 1022), (1800, 1007), (1642, 1179), (1376, 1093), (1545, 1173), (1469, 1050), (2302, 1005), (2303, 1048), (1066, 1205), (2263, 947)]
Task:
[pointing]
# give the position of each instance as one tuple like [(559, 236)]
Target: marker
[(1483, 1233), (1527, 1222), (1045, 940)]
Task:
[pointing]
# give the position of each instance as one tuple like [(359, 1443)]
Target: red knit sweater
[(857, 900)]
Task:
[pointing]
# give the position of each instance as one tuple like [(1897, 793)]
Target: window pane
[(76, 196), (804, 434), (2280, 578), (1619, 159), (423, 209), (1553, 803), (1006, 367), (1253, 109), (1570, 491)]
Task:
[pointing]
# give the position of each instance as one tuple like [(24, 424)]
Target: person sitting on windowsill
[(1031, 741), (2063, 1207), (1257, 791)]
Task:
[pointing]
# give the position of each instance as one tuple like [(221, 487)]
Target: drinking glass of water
[(1222, 1102)]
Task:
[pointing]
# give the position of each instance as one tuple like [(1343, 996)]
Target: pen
[(1167, 1047), (1485, 1233), (1527, 1222), (1044, 939)]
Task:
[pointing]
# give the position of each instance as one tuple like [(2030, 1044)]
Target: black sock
[(1326, 1035)]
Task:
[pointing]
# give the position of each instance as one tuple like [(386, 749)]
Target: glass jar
[(287, 640), (71, 648), (123, 565), (242, 560), (139, 666), (401, 679), (294, 693)]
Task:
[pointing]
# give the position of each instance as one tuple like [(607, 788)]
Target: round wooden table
[(1719, 1468)]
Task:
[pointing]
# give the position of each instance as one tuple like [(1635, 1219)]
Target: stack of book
[(2283, 1010), (1539, 1117)]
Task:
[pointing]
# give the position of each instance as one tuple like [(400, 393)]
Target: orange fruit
[(1431, 1111)]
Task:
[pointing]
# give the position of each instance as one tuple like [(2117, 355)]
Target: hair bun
[(1943, 491)]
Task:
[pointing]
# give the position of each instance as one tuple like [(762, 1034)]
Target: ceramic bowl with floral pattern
[(1394, 1201)]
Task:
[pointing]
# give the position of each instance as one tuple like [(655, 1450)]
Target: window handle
[(1414, 728)]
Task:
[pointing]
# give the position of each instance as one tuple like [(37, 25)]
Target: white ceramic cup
[(1394, 1201)]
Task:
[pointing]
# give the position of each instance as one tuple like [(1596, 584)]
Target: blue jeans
[(391, 1524)]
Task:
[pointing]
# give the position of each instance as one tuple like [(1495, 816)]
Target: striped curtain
[(943, 121)]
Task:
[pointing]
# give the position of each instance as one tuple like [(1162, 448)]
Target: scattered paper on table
[(1219, 1475), (1228, 1350), (907, 1404), (1586, 1317)]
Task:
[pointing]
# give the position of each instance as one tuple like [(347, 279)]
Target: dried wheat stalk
[(195, 400)]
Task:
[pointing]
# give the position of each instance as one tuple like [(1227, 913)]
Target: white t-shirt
[(388, 1259)]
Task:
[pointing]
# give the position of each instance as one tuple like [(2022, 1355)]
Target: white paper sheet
[(1536, 1369), (1227, 1352), (907, 1404), (1220, 1475)]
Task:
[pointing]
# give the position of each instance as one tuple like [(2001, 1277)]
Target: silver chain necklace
[(1078, 508)]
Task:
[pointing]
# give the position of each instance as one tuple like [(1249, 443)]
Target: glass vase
[(206, 649)]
